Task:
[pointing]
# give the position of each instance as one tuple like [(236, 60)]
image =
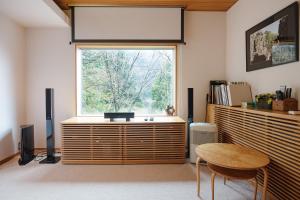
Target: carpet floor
[(113, 182)]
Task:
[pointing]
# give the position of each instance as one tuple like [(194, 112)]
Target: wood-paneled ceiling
[(196, 5)]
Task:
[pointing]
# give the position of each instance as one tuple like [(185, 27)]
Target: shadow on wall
[(6, 144), (297, 96)]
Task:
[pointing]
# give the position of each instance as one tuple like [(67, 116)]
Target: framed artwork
[(274, 41)]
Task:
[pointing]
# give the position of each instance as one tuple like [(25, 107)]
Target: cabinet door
[(76, 143), (107, 143), (138, 143), (169, 141)]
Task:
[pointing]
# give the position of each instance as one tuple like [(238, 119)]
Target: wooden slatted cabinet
[(274, 133), (92, 140)]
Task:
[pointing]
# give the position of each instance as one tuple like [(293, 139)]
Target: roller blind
[(127, 24)]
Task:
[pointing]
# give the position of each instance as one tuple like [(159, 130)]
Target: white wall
[(12, 94), (214, 39), (202, 58), (51, 63), (242, 16)]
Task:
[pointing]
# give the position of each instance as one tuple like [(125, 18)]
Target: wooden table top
[(232, 156)]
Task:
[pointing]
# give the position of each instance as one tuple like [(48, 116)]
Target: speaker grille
[(190, 102), (49, 103)]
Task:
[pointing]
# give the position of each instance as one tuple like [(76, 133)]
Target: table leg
[(255, 189), (266, 176), (213, 175), (198, 175)]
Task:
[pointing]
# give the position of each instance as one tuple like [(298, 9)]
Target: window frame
[(126, 46)]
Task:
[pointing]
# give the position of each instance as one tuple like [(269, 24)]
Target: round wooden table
[(233, 162)]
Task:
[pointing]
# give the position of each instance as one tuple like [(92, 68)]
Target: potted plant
[(264, 101)]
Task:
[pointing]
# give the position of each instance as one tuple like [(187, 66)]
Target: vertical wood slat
[(125, 143), (275, 134)]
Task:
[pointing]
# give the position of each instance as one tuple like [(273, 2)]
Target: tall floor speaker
[(51, 158), (190, 117)]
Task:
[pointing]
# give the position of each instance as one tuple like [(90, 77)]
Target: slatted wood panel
[(277, 135), (107, 143), (130, 143), (169, 142), (155, 143), (138, 142), (91, 144), (210, 113), (76, 143)]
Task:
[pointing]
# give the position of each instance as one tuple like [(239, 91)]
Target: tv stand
[(95, 140)]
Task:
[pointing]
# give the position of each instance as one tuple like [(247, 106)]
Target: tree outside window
[(114, 79)]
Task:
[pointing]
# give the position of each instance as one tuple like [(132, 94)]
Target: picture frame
[(274, 41)]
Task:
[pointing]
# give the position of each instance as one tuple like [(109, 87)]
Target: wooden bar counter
[(95, 140), (274, 133)]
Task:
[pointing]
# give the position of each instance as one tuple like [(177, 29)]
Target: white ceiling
[(34, 13)]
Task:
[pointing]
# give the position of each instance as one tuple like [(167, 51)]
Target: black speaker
[(26, 145), (190, 103), (49, 103), (51, 158), (115, 115), (190, 117)]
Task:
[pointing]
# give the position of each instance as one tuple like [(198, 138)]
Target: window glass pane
[(140, 80)]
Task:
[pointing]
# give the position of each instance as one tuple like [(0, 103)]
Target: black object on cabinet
[(115, 115)]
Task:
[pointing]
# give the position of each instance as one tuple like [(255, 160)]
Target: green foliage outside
[(121, 80), (162, 92)]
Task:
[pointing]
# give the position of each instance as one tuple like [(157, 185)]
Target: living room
[(159, 61)]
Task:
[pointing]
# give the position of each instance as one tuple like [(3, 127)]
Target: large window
[(125, 79)]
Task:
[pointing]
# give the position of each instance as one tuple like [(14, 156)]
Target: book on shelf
[(215, 91), (229, 93)]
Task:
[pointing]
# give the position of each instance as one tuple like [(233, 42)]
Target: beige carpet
[(112, 182)]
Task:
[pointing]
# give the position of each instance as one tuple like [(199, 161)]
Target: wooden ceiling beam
[(195, 5)]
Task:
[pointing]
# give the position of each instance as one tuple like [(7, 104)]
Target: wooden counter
[(274, 133), (136, 120), (279, 114), (95, 140)]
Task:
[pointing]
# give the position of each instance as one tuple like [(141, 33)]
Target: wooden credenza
[(276, 134), (94, 140)]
